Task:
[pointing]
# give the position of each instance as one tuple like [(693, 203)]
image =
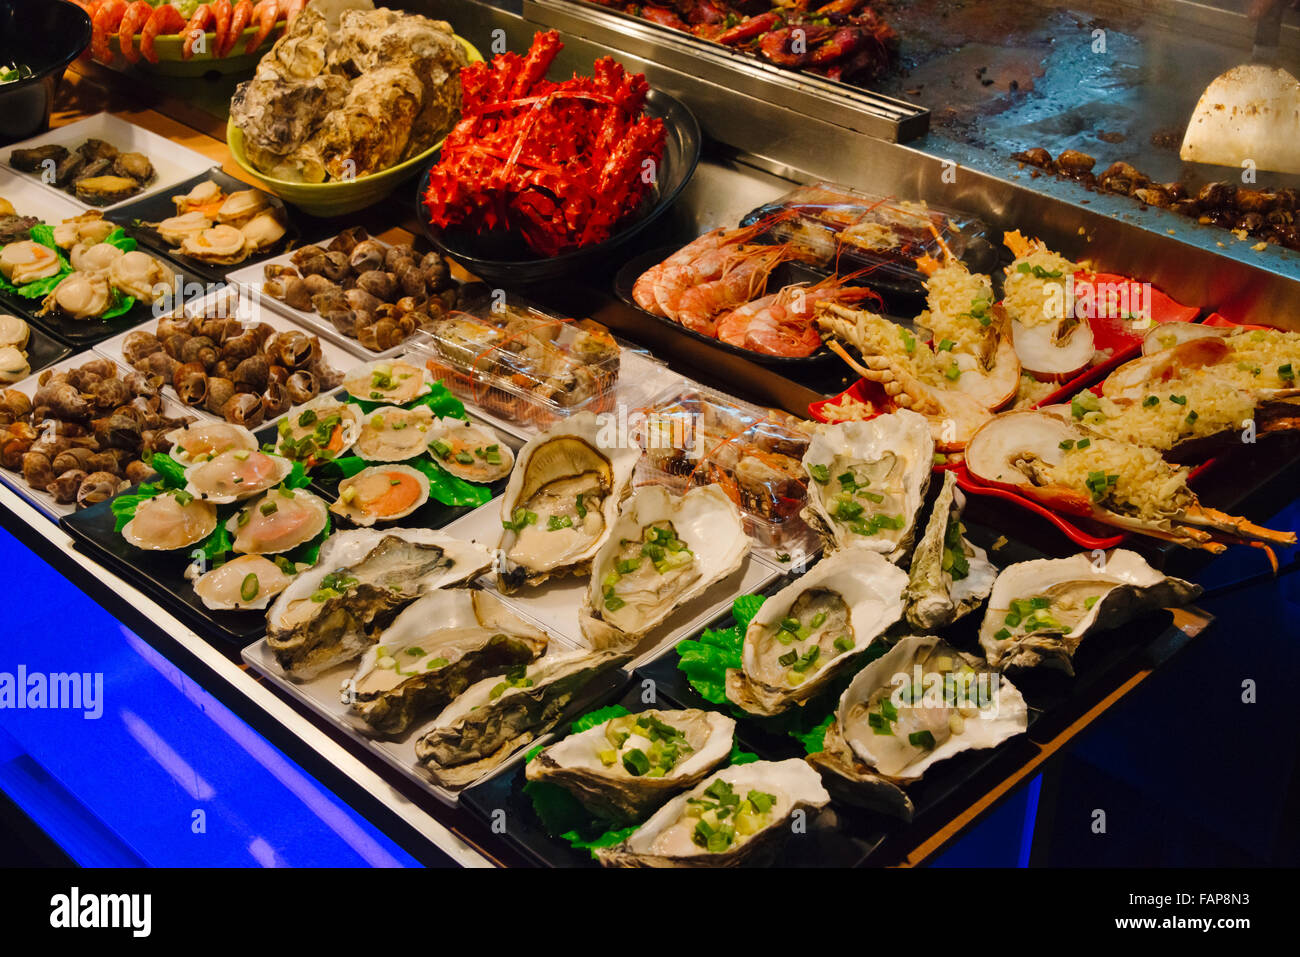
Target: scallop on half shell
[(201, 441), (381, 493), (390, 381), (235, 475), (469, 450), (323, 424), (169, 521), (247, 582), (282, 519), (393, 434)]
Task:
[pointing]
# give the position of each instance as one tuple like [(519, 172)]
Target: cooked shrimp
[(265, 13), (239, 21), (133, 21), (697, 261), (783, 324), (221, 14), (291, 8), (196, 28), (107, 19), (742, 279), (165, 20)]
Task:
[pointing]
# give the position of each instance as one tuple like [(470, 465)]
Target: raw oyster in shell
[(562, 501), (381, 493), (469, 450), (235, 475), (867, 481), (437, 647), (1039, 611), (169, 521), (624, 768), (919, 703), (393, 434), (247, 582), (814, 628), (949, 576), (335, 610), (497, 716), (280, 520), (741, 815), (663, 552)]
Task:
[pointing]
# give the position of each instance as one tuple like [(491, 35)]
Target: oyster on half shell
[(949, 576), (740, 815), (867, 481), (442, 643), (663, 552), (335, 610), (815, 627), (562, 501), (624, 768), (496, 717), (1039, 611), (920, 703)]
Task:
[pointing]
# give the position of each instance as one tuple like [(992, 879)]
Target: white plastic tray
[(172, 163), (30, 198)]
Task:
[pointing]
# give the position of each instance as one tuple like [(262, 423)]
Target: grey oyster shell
[(391, 568), (934, 597), (439, 645)]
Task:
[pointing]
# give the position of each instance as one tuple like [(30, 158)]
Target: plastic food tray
[(492, 361)]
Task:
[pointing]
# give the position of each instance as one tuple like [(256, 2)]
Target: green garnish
[(1150, 400), (821, 474), (557, 522), (921, 739), (249, 587)]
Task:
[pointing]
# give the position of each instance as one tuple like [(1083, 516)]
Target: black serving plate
[(159, 206), (785, 274), (161, 575), (82, 334), (503, 257), (42, 348), (45, 37)]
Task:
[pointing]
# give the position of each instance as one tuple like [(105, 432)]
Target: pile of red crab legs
[(842, 39), (137, 20), (559, 163)]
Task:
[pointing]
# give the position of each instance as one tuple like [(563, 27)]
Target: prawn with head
[(783, 323)]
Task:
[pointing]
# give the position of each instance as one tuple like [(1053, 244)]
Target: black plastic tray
[(161, 575), (783, 275), (159, 206)]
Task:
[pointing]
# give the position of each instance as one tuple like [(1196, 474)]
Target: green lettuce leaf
[(440, 400), (169, 470), (123, 506)]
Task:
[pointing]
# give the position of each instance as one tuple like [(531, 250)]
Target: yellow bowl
[(340, 196), (171, 61)]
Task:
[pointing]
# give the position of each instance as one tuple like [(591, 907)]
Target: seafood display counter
[(594, 524)]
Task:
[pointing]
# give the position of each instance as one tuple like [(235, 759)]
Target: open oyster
[(813, 628), (497, 716), (334, 611), (562, 501), (243, 583), (235, 474), (437, 647), (919, 703), (469, 450), (390, 381), (393, 434), (949, 576), (201, 441), (1039, 611), (381, 493), (868, 480), (321, 428), (625, 767), (170, 520), (278, 521), (664, 550), (741, 815)]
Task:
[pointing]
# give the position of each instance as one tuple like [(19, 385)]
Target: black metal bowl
[(44, 36), (503, 257)]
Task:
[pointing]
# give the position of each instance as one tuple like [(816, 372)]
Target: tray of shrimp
[(747, 298), (187, 38)]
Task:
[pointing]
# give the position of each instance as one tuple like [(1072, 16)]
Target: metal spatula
[(1251, 112)]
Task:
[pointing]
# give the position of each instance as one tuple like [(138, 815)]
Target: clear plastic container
[(520, 362), (694, 435), (844, 230)]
